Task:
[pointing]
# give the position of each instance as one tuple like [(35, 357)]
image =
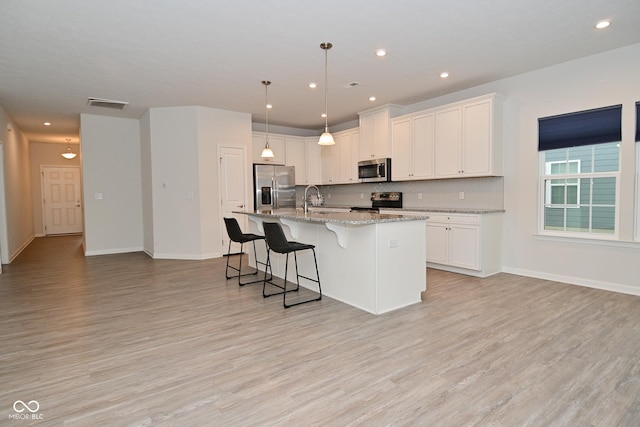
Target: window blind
[(597, 126)]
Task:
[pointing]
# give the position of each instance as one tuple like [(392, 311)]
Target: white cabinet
[(412, 147), (295, 154), (454, 240), (375, 132), (468, 138), (348, 145), (327, 163), (276, 142), (312, 158), (448, 143), (465, 243), (340, 161)]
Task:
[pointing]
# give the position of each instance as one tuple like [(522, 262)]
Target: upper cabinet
[(412, 147), (304, 154), (276, 142), (375, 132), (340, 161), (348, 144), (312, 158), (468, 138), (457, 140), (295, 153)]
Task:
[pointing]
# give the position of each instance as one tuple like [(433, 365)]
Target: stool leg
[(266, 267), (226, 271), (284, 298)]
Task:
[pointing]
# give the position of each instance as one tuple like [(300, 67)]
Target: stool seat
[(236, 235), (277, 242)]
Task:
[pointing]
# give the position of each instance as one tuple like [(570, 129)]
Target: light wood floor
[(126, 340)]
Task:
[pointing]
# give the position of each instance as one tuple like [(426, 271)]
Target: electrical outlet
[(461, 195)]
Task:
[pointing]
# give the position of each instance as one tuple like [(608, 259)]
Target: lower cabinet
[(454, 242), (465, 243)]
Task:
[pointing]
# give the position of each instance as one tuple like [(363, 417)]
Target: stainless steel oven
[(375, 170)]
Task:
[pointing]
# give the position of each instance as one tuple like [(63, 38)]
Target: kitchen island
[(375, 262)]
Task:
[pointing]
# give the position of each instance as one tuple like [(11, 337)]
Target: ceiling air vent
[(350, 85), (107, 103)]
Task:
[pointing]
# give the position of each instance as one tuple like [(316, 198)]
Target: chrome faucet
[(306, 198)]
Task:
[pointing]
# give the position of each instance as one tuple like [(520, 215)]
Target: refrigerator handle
[(274, 193)]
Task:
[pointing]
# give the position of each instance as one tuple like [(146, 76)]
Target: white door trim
[(43, 192)]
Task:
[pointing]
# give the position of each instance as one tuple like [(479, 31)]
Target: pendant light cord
[(326, 103), (266, 84)]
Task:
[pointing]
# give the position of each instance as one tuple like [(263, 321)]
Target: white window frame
[(544, 176), (549, 185), (637, 222)]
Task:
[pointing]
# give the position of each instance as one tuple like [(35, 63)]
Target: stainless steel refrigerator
[(274, 187)]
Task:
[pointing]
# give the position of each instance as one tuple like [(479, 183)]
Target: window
[(579, 172)]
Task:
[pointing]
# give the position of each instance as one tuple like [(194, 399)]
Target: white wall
[(43, 154), (16, 229), (174, 164), (597, 81), (110, 150), (184, 177), (146, 182), (215, 128)]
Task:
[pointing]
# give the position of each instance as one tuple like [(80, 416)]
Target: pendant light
[(326, 138), (69, 154), (267, 152)]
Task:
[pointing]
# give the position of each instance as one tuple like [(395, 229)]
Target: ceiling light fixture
[(381, 52), (326, 138), (68, 154), (47, 124), (313, 85), (603, 24), (444, 75), (372, 98), (267, 152)]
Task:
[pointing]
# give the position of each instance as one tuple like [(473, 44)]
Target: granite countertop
[(343, 218), (476, 211)]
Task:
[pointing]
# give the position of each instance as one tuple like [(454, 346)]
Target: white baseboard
[(20, 249), (605, 286), (112, 251), (192, 257)]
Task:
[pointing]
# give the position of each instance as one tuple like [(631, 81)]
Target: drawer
[(454, 218)]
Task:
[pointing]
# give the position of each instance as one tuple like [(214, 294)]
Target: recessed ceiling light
[(381, 52), (313, 85), (603, 24), (323, 115), (47, 124), (269, 106), (444, 75), (372, 98)]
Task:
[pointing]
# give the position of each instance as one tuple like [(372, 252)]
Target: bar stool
[(277, 242), (236, 235)]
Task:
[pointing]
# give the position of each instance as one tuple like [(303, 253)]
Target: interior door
[(62, 203), (232, 191)]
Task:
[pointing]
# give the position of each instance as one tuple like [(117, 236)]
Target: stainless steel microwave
[(375, 170)]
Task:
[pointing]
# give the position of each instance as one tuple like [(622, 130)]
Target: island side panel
[(401, 271), (348, 273)]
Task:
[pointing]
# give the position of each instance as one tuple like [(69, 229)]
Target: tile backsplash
[(478, 193)]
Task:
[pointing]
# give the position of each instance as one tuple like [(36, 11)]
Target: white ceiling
[(214, 53)]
